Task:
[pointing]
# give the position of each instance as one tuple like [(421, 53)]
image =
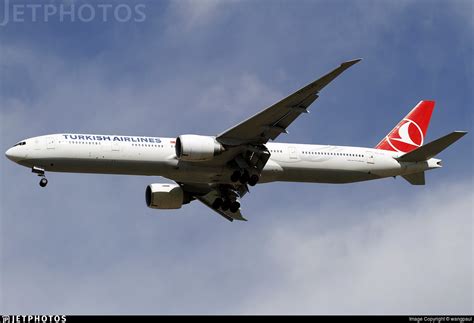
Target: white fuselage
[(152, 156)]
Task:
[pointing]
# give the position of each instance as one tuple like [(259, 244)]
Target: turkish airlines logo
[(406, 137)]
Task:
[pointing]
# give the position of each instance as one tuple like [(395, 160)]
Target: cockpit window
[(20, 143)]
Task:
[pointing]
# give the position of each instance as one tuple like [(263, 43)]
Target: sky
[(87, 244)]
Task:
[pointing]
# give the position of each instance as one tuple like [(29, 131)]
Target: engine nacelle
[(164, 196), (197, 148)]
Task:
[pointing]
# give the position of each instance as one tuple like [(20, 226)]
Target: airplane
[(218, 170)]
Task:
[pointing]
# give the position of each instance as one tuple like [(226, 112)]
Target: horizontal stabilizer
[(431, 149), (415, 179)]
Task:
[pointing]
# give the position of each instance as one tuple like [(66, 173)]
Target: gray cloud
[(410, 258)]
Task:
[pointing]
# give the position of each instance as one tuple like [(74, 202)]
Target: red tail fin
[(409, 133)]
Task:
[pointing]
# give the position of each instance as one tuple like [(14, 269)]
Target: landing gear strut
[(40, 171)]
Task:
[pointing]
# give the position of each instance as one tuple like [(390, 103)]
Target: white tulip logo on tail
[(410, 136), (409, 133)]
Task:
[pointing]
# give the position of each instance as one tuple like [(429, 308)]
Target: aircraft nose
[(10, 153)]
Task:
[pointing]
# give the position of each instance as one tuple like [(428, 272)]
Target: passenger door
[(115, 146), (369, 156), (292, 152), (50, 142)]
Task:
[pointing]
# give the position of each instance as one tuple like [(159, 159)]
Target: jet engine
[(197, 148), (164, 196)]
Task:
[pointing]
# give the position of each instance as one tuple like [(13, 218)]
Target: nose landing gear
[(40, 171), (43, 182)]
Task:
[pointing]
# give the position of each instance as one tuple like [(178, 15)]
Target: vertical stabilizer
[(409, 133)]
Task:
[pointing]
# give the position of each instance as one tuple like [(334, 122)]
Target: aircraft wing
[(273, 121), (245, 152)]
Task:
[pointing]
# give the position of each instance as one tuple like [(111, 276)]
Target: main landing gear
[(244, 177), (40, 171), (227, 199), (226, 204)]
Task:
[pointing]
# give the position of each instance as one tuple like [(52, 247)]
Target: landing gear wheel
[(234, 206), (244, 178), (235, 176), (43, 182), (253, 180), (217, 203), (226, 205)]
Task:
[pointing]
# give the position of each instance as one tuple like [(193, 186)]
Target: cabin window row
[(98, 143), (84, 142), (147, 145), (330, 154)]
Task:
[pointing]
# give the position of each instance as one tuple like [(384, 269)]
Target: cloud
[(58, 88), (235, 96), (400, 259), (412, 258), (195, 13)]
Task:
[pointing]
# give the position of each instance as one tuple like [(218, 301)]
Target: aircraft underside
[(291, 173)]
